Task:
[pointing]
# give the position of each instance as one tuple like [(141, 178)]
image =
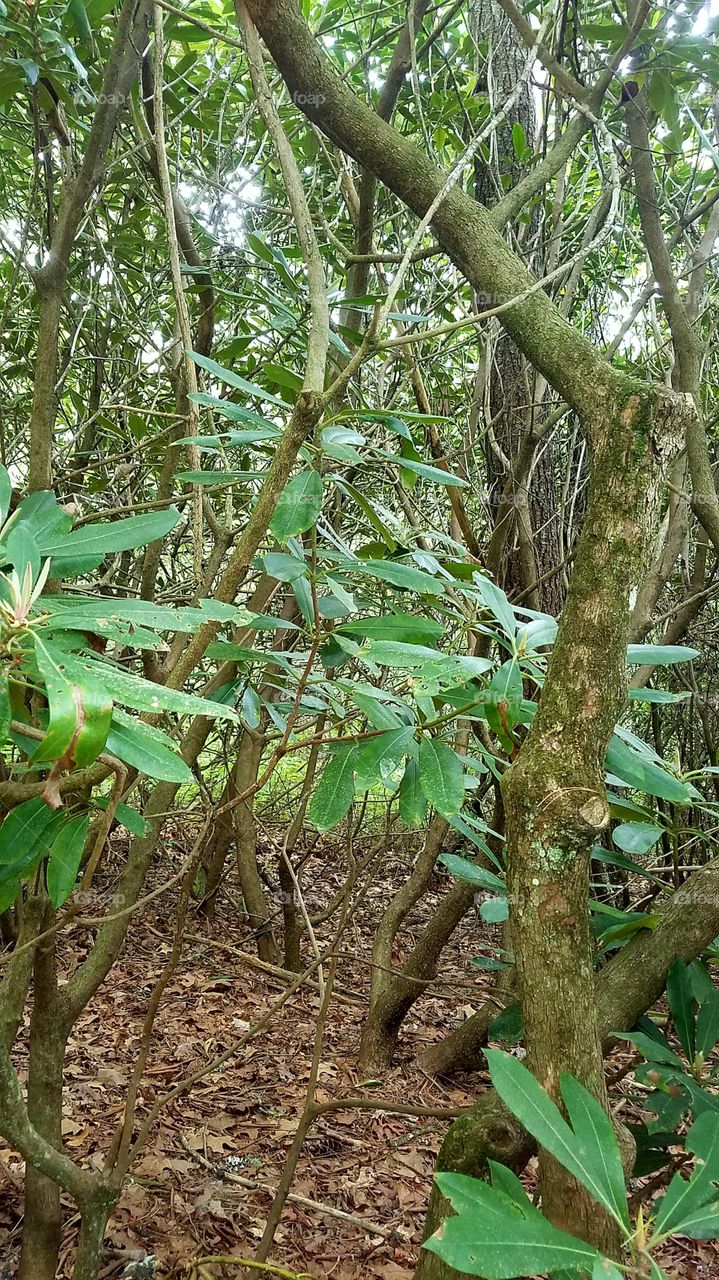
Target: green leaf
[(597, 1145), (399, 575), (405, 627), (470, 873), (381, 756), (653, 1050), (681, 997), (378, 715), (126, 816), (533, 1107), (519, 140), (143, 695), (298, 506), (234, 380), (95, 541), (642, 774), (283, 567), (412, 804), (5, 710), (677, 1210), (435, 474), (64, 860), (335, 791), (494, 910), (251, 713), (146, 748), (80, 709), (441, 776), (492, 1236), (63, 704), (25, 836), (497, 603), (5, 494), (636, 837), (659, 655), (369, 511), (708, 1024)]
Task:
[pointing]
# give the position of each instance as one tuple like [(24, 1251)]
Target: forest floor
[(186, 1196)]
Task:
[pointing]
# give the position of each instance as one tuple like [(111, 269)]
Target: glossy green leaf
[(676, 1212), (441, 776), (659, 655), (412, 803), (234, 380), (5, 494), (399, 575), (406, 628), (335, 791), (492, 1236), (636, 837), (95, 541), (681, 997), (142, 695), (708, 1024), (642, 774), (533, 1107), (62, 700), (146, 748), (470, 873), (65, 857), (25, 836), (298, 506)]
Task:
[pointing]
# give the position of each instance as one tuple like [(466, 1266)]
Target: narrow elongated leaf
[(399, 575), (497, 603), (408, 628), (434, 474), (677, 1210), (99, 540), (659, 655), (378, 715), (441, 776), (234, 380), (533, 1107), (298, 506), (126, 816), (653, 1050), (5, 710), (708, 1024), (146, 748), (680, 997), (5, 493), (65, 857), (597, 1144), (335, 791), (412, 803), (470, 873), (62, 704), (143, 695), (642, 774)]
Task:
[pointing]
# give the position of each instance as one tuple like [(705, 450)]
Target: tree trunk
[(42, 1226)]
